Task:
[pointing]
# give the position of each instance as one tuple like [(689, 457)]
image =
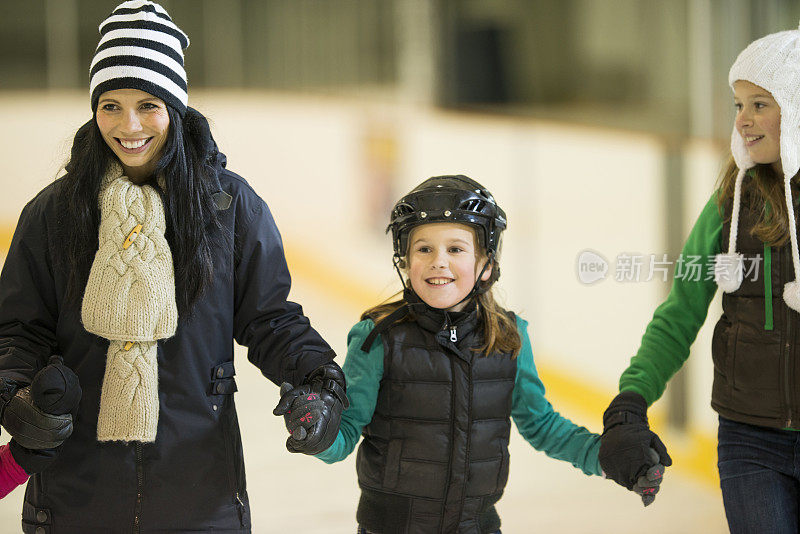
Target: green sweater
[(673, 329), (534, 416)]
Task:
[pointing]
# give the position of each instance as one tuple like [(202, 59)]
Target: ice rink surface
[(294, 493)]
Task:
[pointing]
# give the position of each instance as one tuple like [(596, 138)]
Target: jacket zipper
[(232, 478), (240, 508), (139, 485)]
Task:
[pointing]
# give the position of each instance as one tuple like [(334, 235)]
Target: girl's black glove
[(312, 411), (630, 453)]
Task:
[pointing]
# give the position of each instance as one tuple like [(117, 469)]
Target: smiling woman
[(135, 125), (160, 258)]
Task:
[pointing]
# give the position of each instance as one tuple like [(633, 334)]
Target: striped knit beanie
[(773, 63), (140, 48)]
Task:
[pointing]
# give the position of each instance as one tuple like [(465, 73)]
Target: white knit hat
[(773, 63), (140, 48)]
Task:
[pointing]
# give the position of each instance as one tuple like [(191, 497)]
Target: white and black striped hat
[(140, 48)]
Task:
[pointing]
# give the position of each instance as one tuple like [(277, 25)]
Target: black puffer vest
[(755, 344), (435, 458)]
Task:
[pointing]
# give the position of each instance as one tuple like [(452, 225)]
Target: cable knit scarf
[(130, 300)]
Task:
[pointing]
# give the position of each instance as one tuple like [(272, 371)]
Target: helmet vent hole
[(473, 205), (403, 209)]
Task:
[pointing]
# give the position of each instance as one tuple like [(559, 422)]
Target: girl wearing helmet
[(749, 220), (435, 377)]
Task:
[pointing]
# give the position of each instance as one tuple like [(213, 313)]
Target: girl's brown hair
[(762, 192), (500, 332)]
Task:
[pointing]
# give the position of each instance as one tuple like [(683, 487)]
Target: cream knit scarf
[(130, 300)]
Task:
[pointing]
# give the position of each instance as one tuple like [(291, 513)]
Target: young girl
[(433, 377), (756, 348)]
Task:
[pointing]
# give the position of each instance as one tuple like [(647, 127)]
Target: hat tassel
[(729, 267), (791, 291)]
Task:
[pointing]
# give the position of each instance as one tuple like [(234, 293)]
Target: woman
[(140, 267)]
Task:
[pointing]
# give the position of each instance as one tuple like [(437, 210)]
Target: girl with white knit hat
[(749, 222), (140, 267)]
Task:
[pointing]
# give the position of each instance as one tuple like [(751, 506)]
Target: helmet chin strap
[(396, 263), (476, 290)]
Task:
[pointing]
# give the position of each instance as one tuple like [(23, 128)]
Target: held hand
[(38, 416), (648, 484), (629, 449), (313, 410), (301, 408), (55, 389), (32, 428)]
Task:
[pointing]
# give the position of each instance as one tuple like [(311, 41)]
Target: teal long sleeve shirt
[(676, 322), (541, 426)]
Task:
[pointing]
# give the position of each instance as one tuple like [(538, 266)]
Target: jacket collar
[(436, 320)]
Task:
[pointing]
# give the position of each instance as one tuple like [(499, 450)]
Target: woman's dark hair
[(189, 165)]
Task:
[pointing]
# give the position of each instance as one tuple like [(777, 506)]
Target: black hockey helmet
[(452, 198)]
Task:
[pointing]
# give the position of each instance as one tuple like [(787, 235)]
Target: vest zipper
[(452, 440), (787, 357), (768, 323), (139, 486), (787, 365), (448, 325)]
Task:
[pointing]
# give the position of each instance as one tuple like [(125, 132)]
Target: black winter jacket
[(192, 478)]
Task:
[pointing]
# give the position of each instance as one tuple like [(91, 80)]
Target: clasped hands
[(313, 410), (630, 453), (39, 416)]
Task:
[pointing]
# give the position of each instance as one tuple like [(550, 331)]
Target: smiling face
[(758, 121), (135, 125), (443, 263)]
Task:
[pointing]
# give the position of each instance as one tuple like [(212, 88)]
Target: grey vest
[(435, 458)]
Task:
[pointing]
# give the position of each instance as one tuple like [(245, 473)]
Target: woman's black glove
[(313, 410), (630, 453), (8, 389), (38, 416)]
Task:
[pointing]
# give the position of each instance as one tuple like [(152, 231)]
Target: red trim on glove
[(11, 474)]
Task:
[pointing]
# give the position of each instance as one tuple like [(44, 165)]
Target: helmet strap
[(396, 263), (476, 289)]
